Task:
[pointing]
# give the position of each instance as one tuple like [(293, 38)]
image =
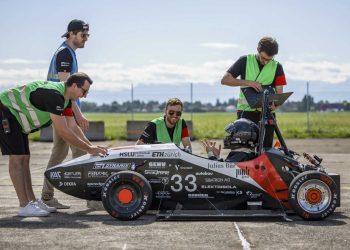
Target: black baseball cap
[(76, 25)]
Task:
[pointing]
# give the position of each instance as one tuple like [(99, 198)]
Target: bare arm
[(80, 118), (61, 126), (229, 80), (76, 129)]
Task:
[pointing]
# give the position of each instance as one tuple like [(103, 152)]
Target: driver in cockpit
[(242, 138)]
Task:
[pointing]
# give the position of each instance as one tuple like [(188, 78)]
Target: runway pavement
[(83, 228)]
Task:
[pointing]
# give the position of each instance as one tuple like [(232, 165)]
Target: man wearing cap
[(63, 64)]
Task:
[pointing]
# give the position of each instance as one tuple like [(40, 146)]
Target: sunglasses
[(172, 112), (85, 35), (85, 91)]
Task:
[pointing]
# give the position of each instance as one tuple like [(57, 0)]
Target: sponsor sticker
[(166, 154), (67, 184), (55, 175), (156, 172), (111, 165), (204, 173), (98, 174), (72, 175)]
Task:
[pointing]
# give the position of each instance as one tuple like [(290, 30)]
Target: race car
[(176, 184)]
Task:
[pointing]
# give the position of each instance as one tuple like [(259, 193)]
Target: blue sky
[(162, 46)]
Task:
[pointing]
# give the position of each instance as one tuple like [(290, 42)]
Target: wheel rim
[(314, 196), (125, 197)]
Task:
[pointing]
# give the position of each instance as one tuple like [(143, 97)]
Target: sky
[(162, 47)]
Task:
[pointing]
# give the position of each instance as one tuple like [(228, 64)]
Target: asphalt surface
[(83, 228)]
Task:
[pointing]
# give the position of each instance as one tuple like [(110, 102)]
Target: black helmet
[(241, 133)]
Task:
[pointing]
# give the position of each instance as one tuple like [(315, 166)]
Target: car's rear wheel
[(312, 195), (126, 195)]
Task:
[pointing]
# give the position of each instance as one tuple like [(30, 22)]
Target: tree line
[(155, 106)]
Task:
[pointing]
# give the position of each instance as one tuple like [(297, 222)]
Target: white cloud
[(220, 45), (116, 76), (317, 71), (21, 61)]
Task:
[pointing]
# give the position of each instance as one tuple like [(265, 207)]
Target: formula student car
[(133, 179)]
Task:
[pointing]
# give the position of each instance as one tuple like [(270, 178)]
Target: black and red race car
[(178, 185)]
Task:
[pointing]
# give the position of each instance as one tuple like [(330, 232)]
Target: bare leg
[(18, 176), (28, 180)]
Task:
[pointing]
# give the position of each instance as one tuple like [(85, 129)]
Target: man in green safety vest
[(256, 71), (28, 108), (168, 128)]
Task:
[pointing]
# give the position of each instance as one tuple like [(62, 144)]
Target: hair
[(173, 102), (268, 45), (78, 78)]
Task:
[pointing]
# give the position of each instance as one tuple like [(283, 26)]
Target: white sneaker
[(55, 203), (45, 207), (32, 210)]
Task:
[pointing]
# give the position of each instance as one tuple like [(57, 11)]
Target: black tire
[(313, 195), (126, 195)]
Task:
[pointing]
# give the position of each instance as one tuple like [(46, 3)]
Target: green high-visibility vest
[(163, 134), (264, 77), (17, 101)]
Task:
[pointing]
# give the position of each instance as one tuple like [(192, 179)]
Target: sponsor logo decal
[(55, 175), (218, 186), (163, 194), (127, 154), (199, 196), (98, 174), (72, 175), (155, 164), (204, 173), (111, 165), (166, 154), (156, 172), (243, 172), (217, 180), (94, 184), (67, 184)]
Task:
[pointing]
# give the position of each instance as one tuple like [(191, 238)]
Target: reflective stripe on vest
[(17, 101), (163, 134), (264, 77)]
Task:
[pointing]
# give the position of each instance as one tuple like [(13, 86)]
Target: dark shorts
[(14, 143)]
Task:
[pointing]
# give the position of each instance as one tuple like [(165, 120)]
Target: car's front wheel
[(126, 195), (313, 195)]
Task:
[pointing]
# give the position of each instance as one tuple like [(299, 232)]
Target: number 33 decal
[(190, 184)]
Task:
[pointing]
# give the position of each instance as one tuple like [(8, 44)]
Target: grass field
[(211, 125)]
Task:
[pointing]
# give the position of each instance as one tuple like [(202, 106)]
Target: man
[(168, 128), (242, 138), (256, 71), (63, 64), (28, 108)]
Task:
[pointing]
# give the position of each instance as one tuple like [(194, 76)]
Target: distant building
[(230, 108)]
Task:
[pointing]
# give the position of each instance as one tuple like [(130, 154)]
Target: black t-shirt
[(149, 135), (239, 69), (49, 100), (64, 61)]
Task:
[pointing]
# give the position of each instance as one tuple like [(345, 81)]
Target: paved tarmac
[(83, 228)]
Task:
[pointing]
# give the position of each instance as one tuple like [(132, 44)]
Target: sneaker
[(32, 210), (55, 203), (45, 207), (95, 205)]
